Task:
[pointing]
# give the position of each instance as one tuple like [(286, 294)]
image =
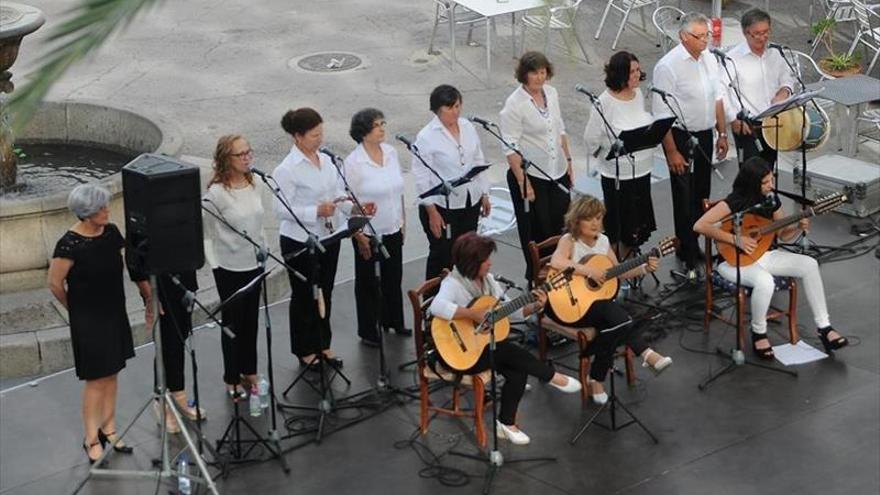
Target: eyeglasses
[(379, 123), (701, 37), (759, 34), (243, 154)]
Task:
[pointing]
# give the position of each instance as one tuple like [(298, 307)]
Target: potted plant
[(835, 64)]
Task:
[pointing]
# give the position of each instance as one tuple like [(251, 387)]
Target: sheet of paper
[(799, 353)]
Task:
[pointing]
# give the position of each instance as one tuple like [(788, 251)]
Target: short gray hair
[(87, 199), (691, 18)]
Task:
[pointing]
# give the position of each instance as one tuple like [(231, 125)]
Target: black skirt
[(636, 210)]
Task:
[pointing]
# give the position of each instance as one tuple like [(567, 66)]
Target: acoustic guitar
[(461, 341), (572, 301), (764, 230)]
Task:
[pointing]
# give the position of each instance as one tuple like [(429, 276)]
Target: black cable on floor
[(434, 467)]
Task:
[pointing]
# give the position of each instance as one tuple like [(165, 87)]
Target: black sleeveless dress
[(99, 329)]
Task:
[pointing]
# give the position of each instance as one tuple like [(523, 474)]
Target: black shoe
[(369, 342), (831, 345), (766, 353), (312, 365), (334, 361), (87, 446), (406, 332), (104, 438)]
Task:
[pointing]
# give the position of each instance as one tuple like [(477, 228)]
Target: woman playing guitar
[(469, 279), (752, 185), (583, 225)]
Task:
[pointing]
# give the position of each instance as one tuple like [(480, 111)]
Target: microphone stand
[(446, 188), (736, 356), (385, 391), (743, 115)]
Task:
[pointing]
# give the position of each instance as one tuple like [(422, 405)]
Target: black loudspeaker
[(163, 216)]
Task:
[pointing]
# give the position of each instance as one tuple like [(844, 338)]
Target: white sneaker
[(516, 437), (571, 385)]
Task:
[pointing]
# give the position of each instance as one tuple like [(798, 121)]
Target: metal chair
[(715, 282), (557, 15), (428, 374), (625, 7), (463, 17), (868, 34), (839, 10), (666, 20)]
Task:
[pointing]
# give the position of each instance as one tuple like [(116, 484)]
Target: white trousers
[(759, 276)]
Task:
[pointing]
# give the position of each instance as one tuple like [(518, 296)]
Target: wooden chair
[(428, 374), (583, 336), (716, 282)]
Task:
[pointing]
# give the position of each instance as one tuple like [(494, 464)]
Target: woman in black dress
[(85, 275)]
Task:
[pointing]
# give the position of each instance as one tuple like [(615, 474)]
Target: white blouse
[(535, 132), (451, 159), (453, 294), (243, 210), (581, 248), (381, 184), (696, 84), (304, 185), (622, 115)]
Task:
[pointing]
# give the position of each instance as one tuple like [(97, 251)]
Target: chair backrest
[(866, 18), (708, 204), (502, 217), (807, 68), (421, 318), (666, 20), (538, 261)]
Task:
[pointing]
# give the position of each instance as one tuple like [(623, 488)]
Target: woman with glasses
[(450, 145), (531, 121), (373, 173), (629, 212), (233, 196)]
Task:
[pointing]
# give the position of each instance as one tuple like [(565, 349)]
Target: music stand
[(458, 181)]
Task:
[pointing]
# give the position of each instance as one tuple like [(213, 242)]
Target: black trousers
[(750, 147), (367, 288), (615, 328), (175, 325), (242, 317), (546, 213), (309, 333), (688, 192), (515, 364), (460, 220)]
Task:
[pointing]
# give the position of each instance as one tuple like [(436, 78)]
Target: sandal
[(118, 445), (88, 446), (765, 353), (831, 345)]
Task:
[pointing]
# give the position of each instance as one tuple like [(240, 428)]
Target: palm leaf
[(86, 28)]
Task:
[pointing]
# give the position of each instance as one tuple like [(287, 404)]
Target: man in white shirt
[(690, 74), (764, 79)]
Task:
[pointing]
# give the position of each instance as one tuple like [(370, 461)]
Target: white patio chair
[(839, 10), (625, 7), (502, 217), (868, 34), (666, 21), (557, 16), (463, 17)]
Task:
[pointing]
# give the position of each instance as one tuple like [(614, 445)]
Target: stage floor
[(753, 431)]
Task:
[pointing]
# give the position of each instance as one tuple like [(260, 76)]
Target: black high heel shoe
[(831, 345), (87, 446), (765, 353), (104, 438)]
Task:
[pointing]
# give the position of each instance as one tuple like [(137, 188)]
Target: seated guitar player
[(583, 225), (470, 279), (753, 183)]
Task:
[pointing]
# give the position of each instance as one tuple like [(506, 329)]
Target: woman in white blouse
[(632, 211), (311, 187), (233, 196), (373, 173), (451, 146), (531, 121)]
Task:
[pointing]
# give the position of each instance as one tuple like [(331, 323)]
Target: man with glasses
[(690, 76), (763, 79)]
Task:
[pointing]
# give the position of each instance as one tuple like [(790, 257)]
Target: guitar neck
[(517, 303), (628, 265), (785, 222)]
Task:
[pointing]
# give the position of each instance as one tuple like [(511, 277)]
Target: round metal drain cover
[(329, 62)]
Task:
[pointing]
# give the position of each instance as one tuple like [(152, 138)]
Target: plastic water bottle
[(263, 387), (184, 484), (254, 403)]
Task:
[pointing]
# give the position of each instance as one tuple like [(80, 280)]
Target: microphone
[(506, 281), (189, 297), (720, 54), (659, 91), (333, 156), (259, 172), (482, 122), (581, 89), (769, 202), (403, 139), (778, 46)]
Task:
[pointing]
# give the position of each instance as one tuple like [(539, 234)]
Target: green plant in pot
[(835, 64)]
